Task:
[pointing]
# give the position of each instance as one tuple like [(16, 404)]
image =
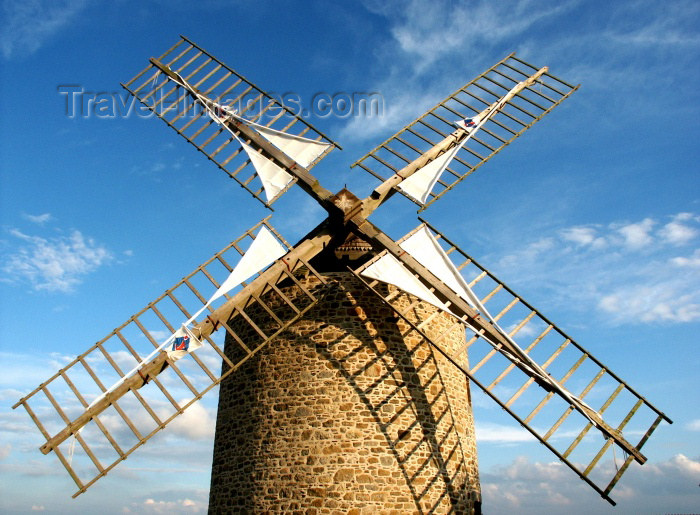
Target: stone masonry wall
[(347, 412)]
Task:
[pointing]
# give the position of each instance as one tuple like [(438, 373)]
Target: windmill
[(344, 361)]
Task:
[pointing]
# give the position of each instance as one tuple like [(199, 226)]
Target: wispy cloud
[(53, 264), (38, 219), (430, 31), (196, 504), (497, 433), (646, 271), (28, 24), (431, 45), (532, 487)]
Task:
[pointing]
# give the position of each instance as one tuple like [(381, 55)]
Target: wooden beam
[(370, 233), (307, 181), (385, 190), (306, 250)]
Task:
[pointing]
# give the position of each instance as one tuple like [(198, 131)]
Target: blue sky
[(593, 215)]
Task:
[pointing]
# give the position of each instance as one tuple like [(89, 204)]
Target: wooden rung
[(544, 366), (433, 128), (284, 297), (192, 104), (517, 96), (610, 441), (549, 396), (522, 323), (176, 86), (380, 160), (36, 420), (510, 367), (507, 308), (173, 366), (585, 430), (516, 106), (243, 314), (140, 74), (478, 278), (420, 136), (234, 335), (508, 115), (397, 154), (630, 458), (67, 466), (193, 355), (76, 434), (529, 88)]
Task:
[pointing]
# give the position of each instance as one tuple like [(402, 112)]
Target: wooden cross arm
[(308, 182), (306, 250), (462, 309), (385, 190)]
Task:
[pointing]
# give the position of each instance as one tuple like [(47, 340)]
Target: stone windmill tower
[(347, 359)]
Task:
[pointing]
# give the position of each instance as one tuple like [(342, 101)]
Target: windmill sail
[(177, 106), (511, 120), (550, 418), (108, 424), (389, 270), (419, 185), (273, 177), (302, 150)]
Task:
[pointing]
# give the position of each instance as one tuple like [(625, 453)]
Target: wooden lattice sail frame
[(143, 405), (543, 413), (176, 105)]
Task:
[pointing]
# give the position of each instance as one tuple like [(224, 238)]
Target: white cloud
[(186, 505), (428, 31), (195, 423), (496, 433), (5, 451), (55, 264), (584, 236), (690, 262), (664, 301), (30, 23), (533, 488), (678, 233), (38, 507), (637, 235), (693, 425), (434, 40), (620, 268), (38, 219)]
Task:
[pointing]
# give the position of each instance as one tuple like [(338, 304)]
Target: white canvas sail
[(421, 183), (424, 247), (303, 150), (274, 178), (388, 269), (264, 251)]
